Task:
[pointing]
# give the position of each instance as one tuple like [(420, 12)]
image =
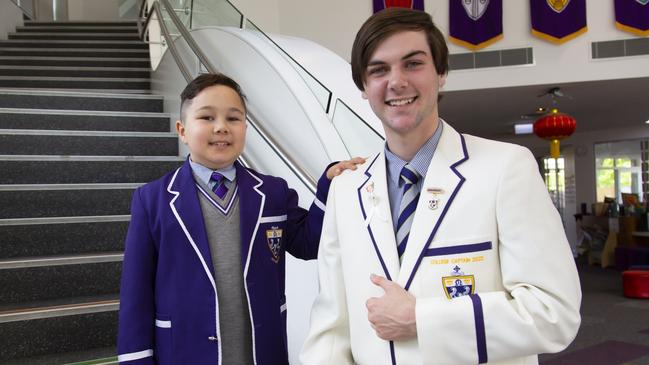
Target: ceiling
[(596, 105)]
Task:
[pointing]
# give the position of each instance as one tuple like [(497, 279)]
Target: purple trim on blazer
[(441, 218), (452, 250), (369, 230), (480, 335), (376, 248)]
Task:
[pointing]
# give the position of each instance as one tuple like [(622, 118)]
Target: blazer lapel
[(441, 184), (187, 210), (375, 208), (251, 206)]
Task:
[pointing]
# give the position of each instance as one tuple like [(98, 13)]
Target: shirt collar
[(420, 162), (205, 173)]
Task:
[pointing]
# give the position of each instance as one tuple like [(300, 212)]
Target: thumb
[(380, 281)]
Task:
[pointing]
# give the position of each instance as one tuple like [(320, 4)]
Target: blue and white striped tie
[(407, 207)]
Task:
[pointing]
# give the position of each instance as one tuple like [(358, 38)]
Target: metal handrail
[(25, 12), (307, 179)]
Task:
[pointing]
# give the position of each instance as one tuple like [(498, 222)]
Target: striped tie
[(219, 187), (407, 207)]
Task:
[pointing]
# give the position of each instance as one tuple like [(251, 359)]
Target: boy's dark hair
[(202, 82), (387, 22)]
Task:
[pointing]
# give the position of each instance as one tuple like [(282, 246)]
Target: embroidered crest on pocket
[(274, 239)]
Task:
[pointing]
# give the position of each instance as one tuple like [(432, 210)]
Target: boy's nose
[(397, 81), (220, 127)]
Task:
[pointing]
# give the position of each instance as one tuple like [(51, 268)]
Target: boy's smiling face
[(214, 127)]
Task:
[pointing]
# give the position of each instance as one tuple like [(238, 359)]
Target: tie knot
[(409, 174), (217, 177)]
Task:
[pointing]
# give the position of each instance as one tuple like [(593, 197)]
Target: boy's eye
[(234, 119), (206, 117), (411, 64), (376, 70)]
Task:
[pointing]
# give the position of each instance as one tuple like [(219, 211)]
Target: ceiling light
[(527, 128)]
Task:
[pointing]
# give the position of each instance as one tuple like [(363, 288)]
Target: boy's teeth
[(400, 102)]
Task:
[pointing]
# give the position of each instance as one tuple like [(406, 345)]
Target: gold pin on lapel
[(433, 203)]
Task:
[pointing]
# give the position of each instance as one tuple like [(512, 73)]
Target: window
[(617, 169), (554, 176)]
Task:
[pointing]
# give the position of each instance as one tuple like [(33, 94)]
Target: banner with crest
[(411, 4), (475, 24), (558, 21), (632, 16)]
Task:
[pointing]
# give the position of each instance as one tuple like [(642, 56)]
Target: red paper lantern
[(554, 127)]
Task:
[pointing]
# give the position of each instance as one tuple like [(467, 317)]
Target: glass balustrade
[(359, 138)]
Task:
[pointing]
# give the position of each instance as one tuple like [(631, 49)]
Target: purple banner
[(411, 4), (632, 16), (558, 21), (475, 24)]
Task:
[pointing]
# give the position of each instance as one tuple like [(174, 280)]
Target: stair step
[(75, 83), (74, 52), (62, 326), (75, 36), (75, 62), (80, 29), (112, 169), (37, 283), (74, 235), (15, 118), (73, 23), (61, 260), (41, 142), (96, 356), (34, 99), (40, 201), (66, 44), (74, 72)]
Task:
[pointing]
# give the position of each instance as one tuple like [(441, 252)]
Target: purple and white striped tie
[(407, 207), (219, 187)]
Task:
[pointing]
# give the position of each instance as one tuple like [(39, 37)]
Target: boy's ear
[(364, 95), (180, 129)]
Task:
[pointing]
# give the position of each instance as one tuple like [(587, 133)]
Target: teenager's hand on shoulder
[(341, 166), (392, 316)]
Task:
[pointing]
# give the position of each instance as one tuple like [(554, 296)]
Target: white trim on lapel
[(198, 253), (375, 207), (442, 175), (245, 270)]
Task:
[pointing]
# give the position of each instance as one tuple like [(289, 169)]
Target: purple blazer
[(168, 301)]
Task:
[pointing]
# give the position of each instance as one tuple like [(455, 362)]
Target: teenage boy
[(203, 276), (443, 248)]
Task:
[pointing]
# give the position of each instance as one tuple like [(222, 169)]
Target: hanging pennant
[(632, 16), (411, 4), (558, 21), (475, 24)]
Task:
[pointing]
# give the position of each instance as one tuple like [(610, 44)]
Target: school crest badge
[(558, 5), (475, 8), (458, 284), (274, 240), (643, 2)]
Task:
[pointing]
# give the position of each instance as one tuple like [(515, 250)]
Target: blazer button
[(212, 338)]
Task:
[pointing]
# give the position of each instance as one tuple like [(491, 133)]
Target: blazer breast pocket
[(453, 269), (272, 228)]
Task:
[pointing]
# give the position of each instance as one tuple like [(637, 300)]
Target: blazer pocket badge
[(458, 284), (274, 240)]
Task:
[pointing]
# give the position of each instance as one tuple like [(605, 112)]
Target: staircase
[(79, 131)]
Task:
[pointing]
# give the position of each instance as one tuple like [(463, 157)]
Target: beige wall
[(106, 10), (10, 17)]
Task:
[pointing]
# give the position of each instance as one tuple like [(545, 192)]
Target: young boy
[(203, 275)]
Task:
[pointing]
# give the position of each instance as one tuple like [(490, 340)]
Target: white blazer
[(487, 259)]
